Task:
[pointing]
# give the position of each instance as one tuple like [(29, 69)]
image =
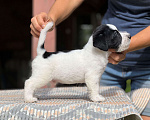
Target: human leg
[(113, 76), (140, 78), (145, 117)]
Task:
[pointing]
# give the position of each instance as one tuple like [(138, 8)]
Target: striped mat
[(72, 103)]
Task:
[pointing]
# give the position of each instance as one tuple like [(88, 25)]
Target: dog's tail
[(40, 47)]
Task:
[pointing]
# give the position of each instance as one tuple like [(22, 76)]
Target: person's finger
[(34, 30), (42, 19), (117, 56), (112, 61), (111, 50), (34, 34), (35, 24)]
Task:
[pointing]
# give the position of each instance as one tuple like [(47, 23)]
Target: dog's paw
[(97, 98), (30, 99)]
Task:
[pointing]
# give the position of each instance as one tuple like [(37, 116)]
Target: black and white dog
[(77, 66)]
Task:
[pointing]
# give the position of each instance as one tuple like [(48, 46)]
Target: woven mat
[(69, 103)]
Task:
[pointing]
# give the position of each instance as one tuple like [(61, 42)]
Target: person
[(129, 15)]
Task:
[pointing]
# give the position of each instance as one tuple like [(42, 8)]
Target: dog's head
[(108, 37)]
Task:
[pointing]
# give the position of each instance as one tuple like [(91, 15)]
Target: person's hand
[(116, 57), (38, 22)]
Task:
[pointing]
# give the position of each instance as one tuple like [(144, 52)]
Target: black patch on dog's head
[(106, 38)]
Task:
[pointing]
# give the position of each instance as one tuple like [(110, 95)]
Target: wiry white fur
[(43, 37), (112, 26), (78, 66), (125, 41)]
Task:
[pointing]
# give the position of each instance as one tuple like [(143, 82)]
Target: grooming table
[(73, 103)]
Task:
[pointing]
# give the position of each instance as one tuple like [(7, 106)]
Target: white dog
[(77, 66)]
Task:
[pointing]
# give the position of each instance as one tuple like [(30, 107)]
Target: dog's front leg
[(92, 82)]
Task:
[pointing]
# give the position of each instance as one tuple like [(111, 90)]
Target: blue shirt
[(131, 16)]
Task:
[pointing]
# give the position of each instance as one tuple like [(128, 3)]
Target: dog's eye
[(115, 33), (100, 35)]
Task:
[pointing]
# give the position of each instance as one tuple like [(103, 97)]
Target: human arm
[(60, 10), (138, 41)]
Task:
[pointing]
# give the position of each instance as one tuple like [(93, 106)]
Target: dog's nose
[(129, 36)]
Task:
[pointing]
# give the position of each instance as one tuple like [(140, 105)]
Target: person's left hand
[(116, 57)]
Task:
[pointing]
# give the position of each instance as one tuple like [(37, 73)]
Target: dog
[(77, 66)]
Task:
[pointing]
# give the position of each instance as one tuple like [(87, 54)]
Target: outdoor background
[(16, 43)]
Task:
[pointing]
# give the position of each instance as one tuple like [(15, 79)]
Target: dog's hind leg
[(41, 75), (30, 86), (29, 90)]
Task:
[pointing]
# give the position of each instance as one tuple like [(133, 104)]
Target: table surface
[(68, 103)]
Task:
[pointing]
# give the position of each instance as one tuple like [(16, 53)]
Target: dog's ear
[(100, 42), (100, 39)]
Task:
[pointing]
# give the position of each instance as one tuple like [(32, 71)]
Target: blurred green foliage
[(128, 86)]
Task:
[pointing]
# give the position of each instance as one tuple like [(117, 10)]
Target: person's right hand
[(38, 22)]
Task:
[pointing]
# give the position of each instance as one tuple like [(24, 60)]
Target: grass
[(128, 86)]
